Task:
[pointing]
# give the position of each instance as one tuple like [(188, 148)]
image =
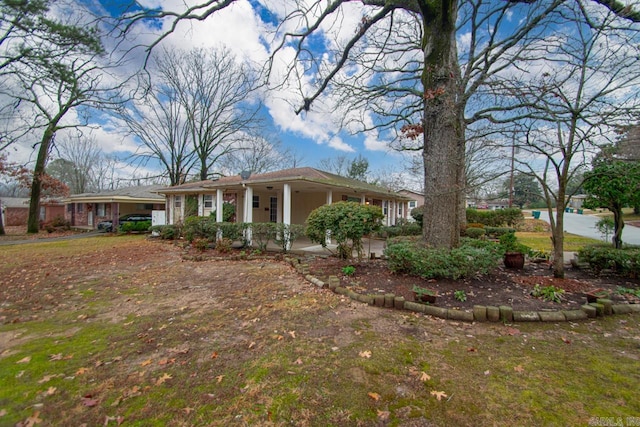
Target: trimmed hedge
[(625, 262), (407, 229), (473, 257)]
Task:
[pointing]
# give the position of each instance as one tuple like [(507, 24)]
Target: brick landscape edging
[(479, 313)]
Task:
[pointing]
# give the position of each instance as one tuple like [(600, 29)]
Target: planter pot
[(431, 299), (514, 260), (594, 294)]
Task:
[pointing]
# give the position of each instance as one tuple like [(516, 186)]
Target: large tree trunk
[(619, 225), (33, 221), (2, 233), (557, 238), (443, 131)]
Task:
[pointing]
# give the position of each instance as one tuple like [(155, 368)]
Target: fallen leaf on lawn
[(219, 378), (566, 341), (46, 378), (487, 372), (438, 394), (374, 396), (252, 344), (98, 363), (82, 371), (163, 379), (278, 337), (512, 331), (89, 401), (19, 374), (292, 333), (188, 410), (3, 412), (366, 354), (165, 361), (50, 391), (146, 362), (424, 376), (518, 368), (32, 420), (53, 357), (26, 359), (214, 355), (383, 415), (298, 361), (472, 349), (180, 350)]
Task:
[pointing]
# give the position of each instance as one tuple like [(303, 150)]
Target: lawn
[(123, 331)]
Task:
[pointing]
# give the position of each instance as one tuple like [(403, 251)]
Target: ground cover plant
[(122, 330)]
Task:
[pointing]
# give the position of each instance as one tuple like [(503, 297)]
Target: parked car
[(107, 226)]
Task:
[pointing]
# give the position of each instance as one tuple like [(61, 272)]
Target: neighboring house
[(577, 200), (287, 196), (88, 209), (417, 200), (15, 210)]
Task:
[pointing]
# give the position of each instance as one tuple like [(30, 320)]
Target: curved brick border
[(480, 313)]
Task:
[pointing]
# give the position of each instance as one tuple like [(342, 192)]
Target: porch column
[(219, 202), (363, 200), (329, 201), (392, 212), (286, 212), (200, 204), (248, 212)]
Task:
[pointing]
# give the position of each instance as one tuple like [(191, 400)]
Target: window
[(208, 201), (385, 208), (273, 209), (100, 211), (413, 204), (80, 207), (177, 201), (256, 202), (400, 209)]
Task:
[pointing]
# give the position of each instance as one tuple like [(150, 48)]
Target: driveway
[(585, 225)]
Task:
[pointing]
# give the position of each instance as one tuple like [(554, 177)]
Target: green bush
[(407, 229), (473, 257), (141, 226), (624, 261), (262, 233), (475, 233), (198, 227), (509, 243), (292, 231), (167, 232), (497, 232), (418, 215), (348, 223), (495, 218), (228, 211)]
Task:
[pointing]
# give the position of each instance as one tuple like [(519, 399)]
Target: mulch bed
[(501, 287)]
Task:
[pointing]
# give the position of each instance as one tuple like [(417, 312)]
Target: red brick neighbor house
[(15, 210), (286, 196), (88, 209)]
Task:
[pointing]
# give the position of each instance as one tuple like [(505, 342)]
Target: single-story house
[(15, 210), (577, 200), (88, 209), (286, 196), (417, 200)]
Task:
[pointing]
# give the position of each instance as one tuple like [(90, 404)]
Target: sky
[(311, 135)]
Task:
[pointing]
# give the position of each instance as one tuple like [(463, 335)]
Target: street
[(585, 225)]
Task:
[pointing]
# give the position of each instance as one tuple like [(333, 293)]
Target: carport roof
[(302, 178)]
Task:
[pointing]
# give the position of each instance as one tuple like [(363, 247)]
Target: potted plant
[(514, 252), (594, 294), (421, 294)]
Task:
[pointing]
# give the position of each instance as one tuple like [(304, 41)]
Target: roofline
[(112, 199)]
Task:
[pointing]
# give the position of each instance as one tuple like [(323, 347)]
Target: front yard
[(120, 330)]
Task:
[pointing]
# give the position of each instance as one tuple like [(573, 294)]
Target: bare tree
[(76, 159), (581, 89), (258, 154)]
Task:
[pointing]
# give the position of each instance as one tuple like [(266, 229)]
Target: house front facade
[(287, 196), (88, 209)]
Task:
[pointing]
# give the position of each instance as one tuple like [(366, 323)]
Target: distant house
[(16, 210), (88, 209), (417, 200), (577, 200), (287, 196)]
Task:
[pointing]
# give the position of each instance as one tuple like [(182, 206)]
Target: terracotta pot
[(514, 260), (431, 299), (594, 294)]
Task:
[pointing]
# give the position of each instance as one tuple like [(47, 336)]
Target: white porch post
[(392, 212), (200, 204), (286, 212), (248, 212), (183, 201), (219, 202), (168, 207), (363, 200)]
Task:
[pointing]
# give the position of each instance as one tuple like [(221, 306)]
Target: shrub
[(497, 232), (141, 226), (200, 244), (262, 233), (624, 261), (223, 245), (495, 218), (509, 243), (418, 214), (348, 270), (406, 229), (228, 211), (292, 231), (548, 293), (348, 223), (475, 233), (460, 295), (167, 232), (473, 257)]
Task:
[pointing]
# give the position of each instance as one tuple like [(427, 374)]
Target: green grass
[(542, 241)]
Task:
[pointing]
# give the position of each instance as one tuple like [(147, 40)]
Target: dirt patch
[(501, 287)]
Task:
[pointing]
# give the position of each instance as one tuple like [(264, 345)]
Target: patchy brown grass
[(121, 330)]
